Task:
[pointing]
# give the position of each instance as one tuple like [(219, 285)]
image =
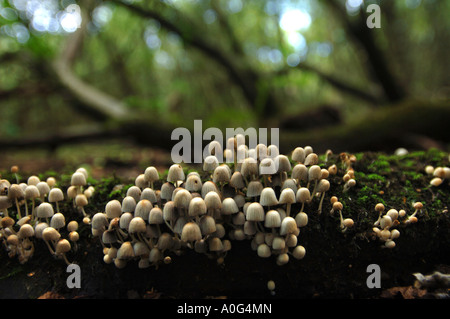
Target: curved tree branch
[(101, 102)]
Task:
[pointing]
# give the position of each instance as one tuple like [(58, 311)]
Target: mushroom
[(78, 180), (57, 221), (54, 196), (288, 226), (210, 163), (15, 170), (272, 220), (268, 197), (175, 174), (113, 209), (128, 204), (299, 173), (149, 194), (142, 209), (287, 197), (151, 175), (81, 201), (137, 227), (15, 193), (229, 206), (213, 203), (298, 155), (31, 192), (299, 252), (197, 207), (193, 183), (221, 176), (322, 187), (134, 192), (5, 203), (44, 210), (191, 232), (303, 196), (50, 235)]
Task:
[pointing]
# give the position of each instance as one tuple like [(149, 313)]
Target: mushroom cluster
[(38, 216), (385, 226), (439, 174), (261, 198)]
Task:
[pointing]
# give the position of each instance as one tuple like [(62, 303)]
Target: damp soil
[(335, 265)]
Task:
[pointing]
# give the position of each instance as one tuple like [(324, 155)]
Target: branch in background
[(364, 37), (226, 27), (335, 82), (340, 85), (90, 96), (245, 79)]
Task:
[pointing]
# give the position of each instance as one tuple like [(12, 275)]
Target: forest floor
[(335, 265)]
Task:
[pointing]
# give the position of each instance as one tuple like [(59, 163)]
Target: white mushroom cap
[(182, 198), (210, 163), (125, 219), (44, 210), (237, 180), (78, 179), (298, 155), (282, 163), (229, 206), (268, 197), (155, 216), (137, 225), (207, 187), (125, 251), (301, 219), (58, 221), (300, 172), (193, 183), (99, 221), (314, 173), (55, 195), (254, 189), (175, 174), (143, 208), (287, 196), (272, 219), (263, 251), (299, 252), (151, 174), (221, 174), (33, 180), (113, 209), (167, 190), (191, 232), (31, 192), (303, 195), (207, 225), (197, 207), (128, 204), (288, 226), (149, 194), (135, 192), (255, 212)]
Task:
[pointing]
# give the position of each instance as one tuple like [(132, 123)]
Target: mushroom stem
[(288, 209), (26, 208), (49, 247), (320, 204), (18, 208)]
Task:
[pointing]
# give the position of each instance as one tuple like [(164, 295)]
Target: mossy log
[(335, 265)]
